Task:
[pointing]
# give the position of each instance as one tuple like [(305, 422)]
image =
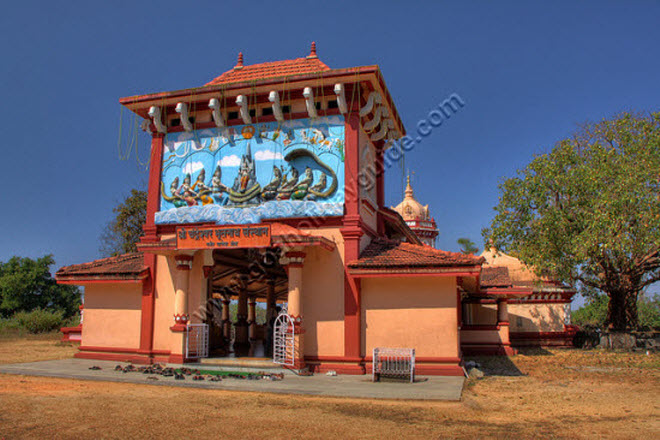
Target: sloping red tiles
[(383, 253), (273, 69)]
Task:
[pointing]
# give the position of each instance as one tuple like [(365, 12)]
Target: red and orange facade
[(266, 186)]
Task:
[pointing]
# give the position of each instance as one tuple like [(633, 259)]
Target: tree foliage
[(26, 284), (467, 246), (588, 212), (594, 312), (122, 234)]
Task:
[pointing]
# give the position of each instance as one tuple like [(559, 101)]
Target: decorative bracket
[(384, 127), (214, 105), (380, 111), (373, 97), (154, 113), (182, 109), (274, 97), (309, 102), (341, 98), (241, 101)]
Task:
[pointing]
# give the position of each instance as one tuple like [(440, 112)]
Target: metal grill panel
[(393, 362), (197, 341), (284, 342)]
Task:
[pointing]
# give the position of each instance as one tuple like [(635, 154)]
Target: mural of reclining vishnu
[(243, 174)]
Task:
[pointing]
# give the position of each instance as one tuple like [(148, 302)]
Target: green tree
[(467, 246), (589, 212), (26, 284), (122, 234)]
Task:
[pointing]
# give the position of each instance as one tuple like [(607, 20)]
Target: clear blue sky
[(527, 73)]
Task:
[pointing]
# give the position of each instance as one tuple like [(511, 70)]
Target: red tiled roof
[(383, 253), (124, 267), (273, 69), (495, 277)]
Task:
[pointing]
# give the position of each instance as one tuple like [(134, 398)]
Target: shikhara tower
[(417, 216)]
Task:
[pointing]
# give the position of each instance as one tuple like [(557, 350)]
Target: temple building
[(417, 217), (257, 199)]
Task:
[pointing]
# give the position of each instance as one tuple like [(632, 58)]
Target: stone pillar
[(294, 263), (241, 326), (226, 323), (252, 318)]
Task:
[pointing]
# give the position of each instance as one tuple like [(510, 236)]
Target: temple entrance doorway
[(246, 290)]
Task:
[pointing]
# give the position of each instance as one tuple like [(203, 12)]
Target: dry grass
[(16, 347), (561, 394)]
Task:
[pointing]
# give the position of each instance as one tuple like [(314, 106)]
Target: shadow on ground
[(504, 365)]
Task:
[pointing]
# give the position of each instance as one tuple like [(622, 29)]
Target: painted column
[(241, 325), (151, 235), (226, 323), (182, 284), (183, 264), (503, 324), (271, 301), (502, 312), (294, 264), (352, 232), (252, 318)]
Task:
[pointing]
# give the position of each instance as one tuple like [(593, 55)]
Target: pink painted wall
[(417, 313), (112, 315)]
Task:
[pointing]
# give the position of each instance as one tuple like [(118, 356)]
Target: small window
[(267, 111), (318, 105), (232, 115), (333, 104), (253, 112), (286, 109), (175, 122)]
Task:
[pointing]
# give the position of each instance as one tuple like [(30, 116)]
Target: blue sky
[(528, 73)]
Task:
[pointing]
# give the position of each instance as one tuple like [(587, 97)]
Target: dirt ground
[(541, 394)]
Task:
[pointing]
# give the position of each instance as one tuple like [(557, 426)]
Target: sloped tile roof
[(383, 253), (127, 266), (495, 277), (273, 69)]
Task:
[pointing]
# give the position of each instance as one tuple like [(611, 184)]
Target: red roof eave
[(379, 272)]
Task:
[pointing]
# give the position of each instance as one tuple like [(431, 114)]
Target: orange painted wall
[(112, 315), (323, 297), (417, 313), (164, 303)]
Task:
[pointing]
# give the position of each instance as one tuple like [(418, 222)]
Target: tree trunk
[(622, 311)]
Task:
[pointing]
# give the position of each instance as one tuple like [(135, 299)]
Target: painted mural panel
[(246, 173)]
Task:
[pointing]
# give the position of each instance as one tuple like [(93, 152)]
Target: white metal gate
[(284, 343), (395, 362), (197, 341)]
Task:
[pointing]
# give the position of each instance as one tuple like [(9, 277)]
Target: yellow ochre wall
[(112, 315), (417, 313), (323, 297)]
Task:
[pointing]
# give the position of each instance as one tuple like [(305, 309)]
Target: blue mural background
[(243, 174)]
